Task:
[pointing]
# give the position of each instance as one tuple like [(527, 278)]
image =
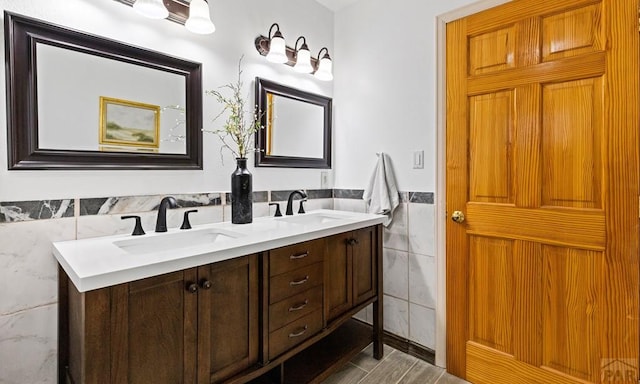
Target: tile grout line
[(20, 311), (407, 371), (376, 366), (440, 377)]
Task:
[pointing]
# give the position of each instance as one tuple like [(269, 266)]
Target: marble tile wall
[(28, 271), (409, 265)]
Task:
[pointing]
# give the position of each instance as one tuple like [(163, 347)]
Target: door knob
[(457, 216)]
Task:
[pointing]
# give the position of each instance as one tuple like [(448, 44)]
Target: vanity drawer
[(291, 283), (294, 333), (295, 307), (292, 257)]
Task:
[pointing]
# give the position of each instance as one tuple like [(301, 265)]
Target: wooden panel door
[(364, 264), (338, 276), (153, 330), (228, 319), (542, 148)]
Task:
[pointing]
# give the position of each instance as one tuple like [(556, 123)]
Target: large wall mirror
[(78, 101), (297, 127)]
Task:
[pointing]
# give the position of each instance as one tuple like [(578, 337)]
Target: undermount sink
[(176, 240), (310, 218)]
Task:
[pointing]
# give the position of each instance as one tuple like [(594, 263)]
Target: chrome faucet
[(300, 193), (161, 221)]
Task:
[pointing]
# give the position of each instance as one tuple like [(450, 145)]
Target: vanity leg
[(378, 318), (63, 325), (378, 347)]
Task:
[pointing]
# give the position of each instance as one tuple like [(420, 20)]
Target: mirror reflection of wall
[(69, 114), (294, 128)]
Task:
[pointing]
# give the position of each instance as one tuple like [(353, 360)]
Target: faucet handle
[(185, 221), (137, 230), (278, 212), (301, 209)]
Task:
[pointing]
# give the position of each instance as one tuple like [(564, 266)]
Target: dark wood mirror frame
[(21, 36), (262, 158)]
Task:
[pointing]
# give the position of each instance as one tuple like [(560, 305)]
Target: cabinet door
[(153, 330), (227, 318), (364, 250), (338, 277)]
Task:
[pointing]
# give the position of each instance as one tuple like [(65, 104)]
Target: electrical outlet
[(418, 160), (324, 180)]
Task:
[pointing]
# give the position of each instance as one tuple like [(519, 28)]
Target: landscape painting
[(129, 123)]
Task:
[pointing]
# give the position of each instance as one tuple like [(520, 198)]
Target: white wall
[(385, 89), (238, 23)]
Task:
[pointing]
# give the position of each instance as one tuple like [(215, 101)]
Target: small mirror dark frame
[(262, 159), (21, 35)]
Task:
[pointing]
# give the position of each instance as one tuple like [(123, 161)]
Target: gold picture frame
[(127, 123), (270, 125)]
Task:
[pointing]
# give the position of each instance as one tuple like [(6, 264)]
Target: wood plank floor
[(395, 368)]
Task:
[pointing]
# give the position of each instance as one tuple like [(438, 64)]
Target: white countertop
[(104, 261)]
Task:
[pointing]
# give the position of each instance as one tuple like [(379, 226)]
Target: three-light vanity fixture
[(194, 14), (275, 50)]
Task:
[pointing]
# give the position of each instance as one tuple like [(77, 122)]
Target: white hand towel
[(381, 195)]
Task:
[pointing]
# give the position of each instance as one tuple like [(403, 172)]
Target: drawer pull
[(294, 283), (299, 306), (299, 333), (299, 256)]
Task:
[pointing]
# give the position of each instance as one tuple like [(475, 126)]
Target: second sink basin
[(176, 240), (310, 218)]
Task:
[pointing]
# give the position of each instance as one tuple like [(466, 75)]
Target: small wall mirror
[(78, 101), (297, 127)]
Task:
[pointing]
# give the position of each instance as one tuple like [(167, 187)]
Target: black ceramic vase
[(241, 193)]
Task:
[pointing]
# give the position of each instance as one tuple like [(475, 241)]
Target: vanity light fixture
[(303, 57), (274, 49), (193, 14), (277, 47), (325, 66), (199, 20), (153, 9)]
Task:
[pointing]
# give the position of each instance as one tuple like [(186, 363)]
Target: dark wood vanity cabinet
[(228, 319), (351, 276), (198, 325), (282, 316)]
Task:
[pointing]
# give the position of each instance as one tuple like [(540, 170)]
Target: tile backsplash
[(29, 272)]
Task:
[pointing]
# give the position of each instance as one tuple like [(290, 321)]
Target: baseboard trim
[(410, 348)]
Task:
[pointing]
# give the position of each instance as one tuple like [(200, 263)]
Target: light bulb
[(325, 69), (277, 49), (303, 60), (199, 20), (153, 9)]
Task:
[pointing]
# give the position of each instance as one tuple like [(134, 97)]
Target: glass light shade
[(303, 61), (277, 50), (153, 9), (199, 20), (325, 69)]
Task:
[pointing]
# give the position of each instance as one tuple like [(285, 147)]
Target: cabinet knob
[(352, 241), (192, 287), (205, 284)]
